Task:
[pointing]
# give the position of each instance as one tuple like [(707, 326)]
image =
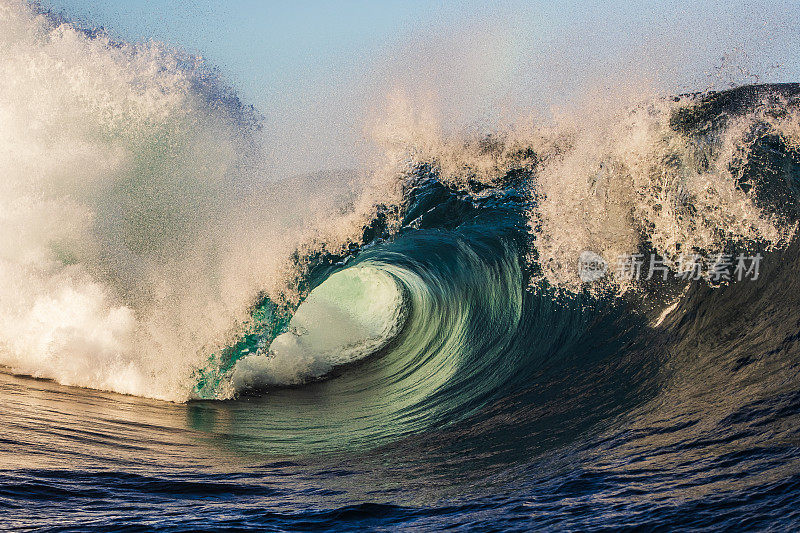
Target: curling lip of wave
[(351, 315), (136, 236)]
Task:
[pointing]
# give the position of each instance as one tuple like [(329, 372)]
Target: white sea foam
[(354, 313), (137, 228), (611, 175)]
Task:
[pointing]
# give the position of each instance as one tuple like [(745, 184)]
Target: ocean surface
[(187, 345)]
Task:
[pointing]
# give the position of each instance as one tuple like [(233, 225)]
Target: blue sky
[(266, 48), (315, 69)]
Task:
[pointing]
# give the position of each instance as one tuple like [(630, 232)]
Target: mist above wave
[(139, 226)]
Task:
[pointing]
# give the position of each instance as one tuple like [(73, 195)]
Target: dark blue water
[(572, 414), (501, 401)]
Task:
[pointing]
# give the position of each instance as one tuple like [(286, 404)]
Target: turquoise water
[(187, 345)]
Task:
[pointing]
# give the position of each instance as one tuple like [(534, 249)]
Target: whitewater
[(139, 228), (406, 345)]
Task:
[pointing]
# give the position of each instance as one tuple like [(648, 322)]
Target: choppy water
[(188, 345)]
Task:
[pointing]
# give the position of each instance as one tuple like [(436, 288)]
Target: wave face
[(429, 322)]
